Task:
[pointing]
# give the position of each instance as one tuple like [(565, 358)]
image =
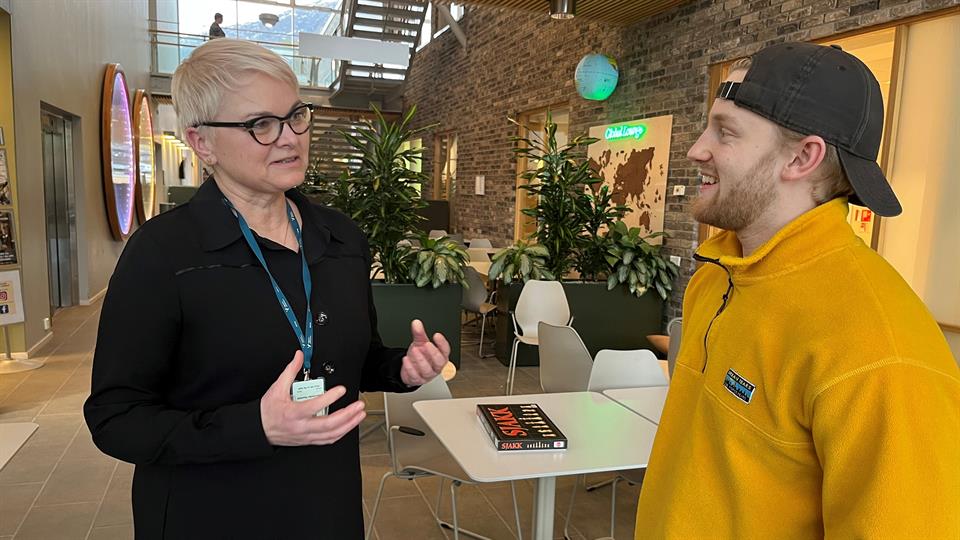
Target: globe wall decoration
[(117, 152), (596, 76), (143, 141)]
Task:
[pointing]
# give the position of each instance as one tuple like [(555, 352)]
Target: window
[(435, 24), (445, 167), (185, 25), (533, 127), (426, 31), (415, 165)]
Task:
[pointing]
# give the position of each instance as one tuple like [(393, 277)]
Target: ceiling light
[(269, 19), (563, 9)]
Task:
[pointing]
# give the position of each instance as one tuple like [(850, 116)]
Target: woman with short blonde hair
[(193, 380)]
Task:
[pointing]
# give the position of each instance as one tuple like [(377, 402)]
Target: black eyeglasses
[(267, 129)]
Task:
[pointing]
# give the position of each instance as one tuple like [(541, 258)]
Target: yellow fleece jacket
[(819, 399)]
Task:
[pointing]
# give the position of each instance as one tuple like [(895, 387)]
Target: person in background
[(221, 308), (215, 30), (814, 394)]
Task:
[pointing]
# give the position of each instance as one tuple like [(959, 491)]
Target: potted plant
[(522, 261), (616, 281), (413, 277)]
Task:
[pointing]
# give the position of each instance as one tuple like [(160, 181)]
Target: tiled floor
[(59, 486)]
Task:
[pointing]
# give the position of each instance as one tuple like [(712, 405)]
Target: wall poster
[(633, 159), (8, 243)]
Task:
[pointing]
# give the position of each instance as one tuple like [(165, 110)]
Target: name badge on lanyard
[(307, 388)]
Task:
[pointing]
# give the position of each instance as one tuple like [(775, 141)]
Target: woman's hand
[(424, 359), (293, 423)]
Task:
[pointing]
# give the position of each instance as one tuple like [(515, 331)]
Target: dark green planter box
[(439, 309), (604, 319)]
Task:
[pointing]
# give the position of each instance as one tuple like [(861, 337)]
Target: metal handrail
[(204, 37), (177, 38)]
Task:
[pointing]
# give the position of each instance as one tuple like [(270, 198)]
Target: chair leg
[(376, 503), (439, 498), (455, 525), (512, 369), (516, 509), (453, 505), (483, 326), (573, 495), (613, 504)]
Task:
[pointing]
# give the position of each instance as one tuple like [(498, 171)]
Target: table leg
[(543, 508)]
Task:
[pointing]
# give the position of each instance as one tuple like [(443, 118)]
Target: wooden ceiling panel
[(619, 12)]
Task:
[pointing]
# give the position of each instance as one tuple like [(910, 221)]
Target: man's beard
[(742, 202)]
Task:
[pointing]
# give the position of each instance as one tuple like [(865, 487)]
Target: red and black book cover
[(520, 426)]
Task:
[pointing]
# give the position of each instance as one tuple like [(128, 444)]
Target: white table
[(602, 435), (647, 402)]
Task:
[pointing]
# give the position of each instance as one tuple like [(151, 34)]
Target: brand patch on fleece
[(739, 386)]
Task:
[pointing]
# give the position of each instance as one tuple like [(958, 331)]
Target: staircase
[(361, 83)]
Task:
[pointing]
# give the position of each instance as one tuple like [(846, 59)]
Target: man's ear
[(807, 154), (202, 145)]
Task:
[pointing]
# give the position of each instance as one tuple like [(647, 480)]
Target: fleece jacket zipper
[(723, 306)]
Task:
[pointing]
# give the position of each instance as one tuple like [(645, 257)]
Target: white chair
[(674, 330), (479, 243), (475, 300), (620, 369), (565, 362), (539, 301), (625, 369), (416, 452), (437, 233)]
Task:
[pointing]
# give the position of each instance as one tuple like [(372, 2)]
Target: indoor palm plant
[(579, 227), (415, 281), (559, 182), (381, 194)]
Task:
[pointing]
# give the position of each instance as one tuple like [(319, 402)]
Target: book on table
[(520, 426)]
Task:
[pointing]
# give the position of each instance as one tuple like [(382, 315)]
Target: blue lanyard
[(305, 338)]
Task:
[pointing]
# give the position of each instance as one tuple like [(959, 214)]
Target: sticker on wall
[(633, 158)]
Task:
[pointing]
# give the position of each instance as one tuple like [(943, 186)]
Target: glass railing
[(170, 47)]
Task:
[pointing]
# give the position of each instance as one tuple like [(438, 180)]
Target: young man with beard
[(814, 394)]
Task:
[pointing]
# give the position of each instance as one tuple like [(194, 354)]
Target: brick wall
[(516, 62)]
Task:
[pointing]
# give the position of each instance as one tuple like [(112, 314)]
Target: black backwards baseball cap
[(824, 91)]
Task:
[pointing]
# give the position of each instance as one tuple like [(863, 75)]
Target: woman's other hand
[(294, 423), (424, 358)]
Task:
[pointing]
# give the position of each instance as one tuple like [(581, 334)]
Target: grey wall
[(60, 49)]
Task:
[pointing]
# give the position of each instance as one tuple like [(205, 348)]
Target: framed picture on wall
[(8, 243), (6, 198)]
